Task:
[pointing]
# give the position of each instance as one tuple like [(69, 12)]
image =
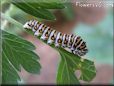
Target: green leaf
[(13, 21), (87, 67), (71, 63), (17, 52), (49, 4), (88, 70), (73, 60), (9, 74), (37, 12), (65, 72)]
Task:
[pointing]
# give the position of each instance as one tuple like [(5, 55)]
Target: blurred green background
[(99, 39)]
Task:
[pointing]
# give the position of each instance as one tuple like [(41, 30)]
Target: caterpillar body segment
[(70, 41)]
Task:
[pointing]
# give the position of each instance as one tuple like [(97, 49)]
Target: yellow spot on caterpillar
[(35, 28), (40, 30), (59, 40), (52, 38)]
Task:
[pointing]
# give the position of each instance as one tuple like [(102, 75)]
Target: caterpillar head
[(81, 51), (27, 26), (30, 24)]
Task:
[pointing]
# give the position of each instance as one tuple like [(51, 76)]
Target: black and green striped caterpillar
[(68, 41)]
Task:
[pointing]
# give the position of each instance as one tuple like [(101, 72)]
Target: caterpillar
[(74, 43)]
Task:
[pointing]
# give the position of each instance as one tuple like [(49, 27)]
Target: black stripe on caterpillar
[(68, 41)]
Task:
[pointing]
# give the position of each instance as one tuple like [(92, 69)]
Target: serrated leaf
[(66, 73), (9, 75), (16, 41), (73, 60), (17, 52), (71, 63), (87, 67), (88, 70), (31, 9)]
